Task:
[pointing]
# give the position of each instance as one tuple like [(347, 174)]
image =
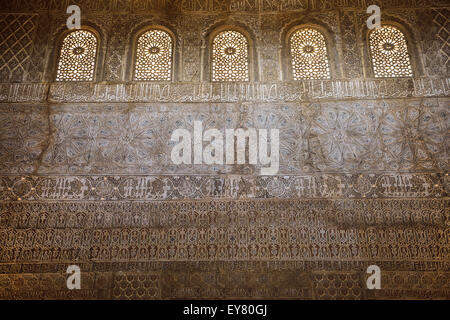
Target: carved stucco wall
[(86, 176)]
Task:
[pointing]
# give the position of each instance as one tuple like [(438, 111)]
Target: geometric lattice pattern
[(309, 55), (443, 22), (144, 286), (77, 57), (389, 52), (230, 57), (154, 56), (16, 45)]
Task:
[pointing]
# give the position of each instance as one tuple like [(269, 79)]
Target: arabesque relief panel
[(87, 176)]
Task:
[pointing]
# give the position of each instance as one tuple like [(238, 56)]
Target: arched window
[(389, 53), (154, 56), (309, 55), (230, 57), (78, 56)]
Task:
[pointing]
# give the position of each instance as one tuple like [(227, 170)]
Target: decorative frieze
[(121, 188), (249, 92), (213, 6)]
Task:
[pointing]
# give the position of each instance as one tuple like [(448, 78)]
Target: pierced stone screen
[(389, 52), (77, 57), (230, 57), (154, 56), (309, 55)]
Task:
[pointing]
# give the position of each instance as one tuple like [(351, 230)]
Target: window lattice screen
[(77, 58), (309, 55), (230, 58), (389, 52), (154, 56)]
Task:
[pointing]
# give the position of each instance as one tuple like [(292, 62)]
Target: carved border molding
[(225, 92), (184, 187), (213, 6), (225, 230)]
